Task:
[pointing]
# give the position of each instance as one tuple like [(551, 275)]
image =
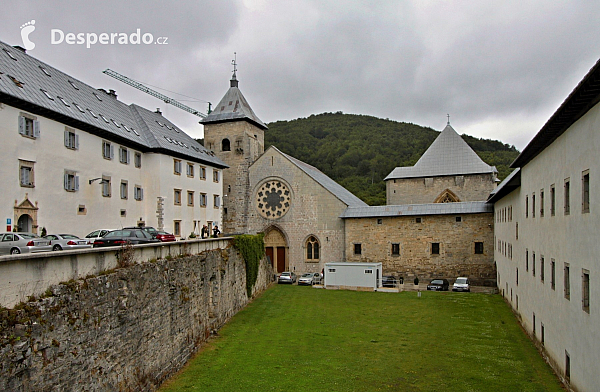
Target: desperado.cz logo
[(57, 37)]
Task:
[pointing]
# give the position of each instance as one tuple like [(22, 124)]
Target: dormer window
[(45, 71), (63, 101)]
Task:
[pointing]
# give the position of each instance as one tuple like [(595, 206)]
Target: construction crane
[(154, 93)]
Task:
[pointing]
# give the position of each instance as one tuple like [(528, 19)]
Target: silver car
[(287, 277), (309, 279), (94, 235), (67, 241), (15, 243)]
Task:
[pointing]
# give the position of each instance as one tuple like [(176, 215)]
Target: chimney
[(158, 111)]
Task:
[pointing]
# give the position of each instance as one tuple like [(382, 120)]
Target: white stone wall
[(563, 238), (58, 208)]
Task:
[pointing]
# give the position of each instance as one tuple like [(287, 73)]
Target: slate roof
[(233, 107), (336, 189), (469, 207), (31, 85), (448, 155)]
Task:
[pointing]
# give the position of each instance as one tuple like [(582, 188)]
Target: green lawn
[(302, 339)]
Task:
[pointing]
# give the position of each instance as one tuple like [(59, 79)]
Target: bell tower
[(237, 136)]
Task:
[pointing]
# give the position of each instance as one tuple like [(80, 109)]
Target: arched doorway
[(26, 214), (25, 223), (277, 249)]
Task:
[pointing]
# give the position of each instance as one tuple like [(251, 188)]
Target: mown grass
[(301, 339)]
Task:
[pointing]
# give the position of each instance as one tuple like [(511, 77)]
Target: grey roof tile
[(130, 123), (469, 207), (336, 189), (448, 155), (232, 107)]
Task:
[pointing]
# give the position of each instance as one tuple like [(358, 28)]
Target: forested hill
[(359, 151)]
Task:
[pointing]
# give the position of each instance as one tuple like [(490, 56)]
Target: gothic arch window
[(447, 196), (312, 249), (225, 145)]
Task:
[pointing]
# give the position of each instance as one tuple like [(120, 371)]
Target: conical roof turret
[(233, 107)]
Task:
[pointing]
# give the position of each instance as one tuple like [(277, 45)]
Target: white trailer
[(358, 276)]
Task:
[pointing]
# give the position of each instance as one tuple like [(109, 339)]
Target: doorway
[(277, 249), (25, 224)]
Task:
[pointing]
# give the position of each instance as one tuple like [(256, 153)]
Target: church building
[(437, 223)]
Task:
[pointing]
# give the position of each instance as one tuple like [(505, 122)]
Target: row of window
[(106, 182), (504, 248), (191, 196), (435, 248), (585, 277), (504, 214), (190, 169), (30, 127), (108, 152), (585, 198)]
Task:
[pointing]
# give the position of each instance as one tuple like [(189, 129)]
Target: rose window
[(273, 199)]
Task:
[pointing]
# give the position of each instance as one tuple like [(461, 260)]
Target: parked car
[(164, 236), (461, 284), (94, 235), (15, 243), (438, 285), (67, 241), (148, 229), (389, 281), (309, 279), (287, 277), (125, 236)]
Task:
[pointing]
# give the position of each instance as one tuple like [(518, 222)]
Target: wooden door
[(269, 253), (280, 259)]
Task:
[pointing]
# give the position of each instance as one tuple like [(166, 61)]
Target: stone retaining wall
[(127, 330)]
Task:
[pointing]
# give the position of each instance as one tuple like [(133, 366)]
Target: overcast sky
[(499, 68)]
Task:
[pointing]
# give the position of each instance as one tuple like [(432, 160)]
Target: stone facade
[(239, 144), (124, 331), (314, 211), (414, 240), (472, 187)]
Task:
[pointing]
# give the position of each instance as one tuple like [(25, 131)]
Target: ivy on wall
[(252, 249)]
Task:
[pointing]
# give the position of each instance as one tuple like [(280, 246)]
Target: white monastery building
[(76, 159), (547, 222)]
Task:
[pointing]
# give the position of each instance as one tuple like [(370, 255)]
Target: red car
[(164, 236)]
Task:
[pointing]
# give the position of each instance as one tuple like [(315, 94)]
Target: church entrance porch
[(276, 248)]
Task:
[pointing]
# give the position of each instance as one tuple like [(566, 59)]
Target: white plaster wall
[(569, 238), (168, 182), (58, 209)]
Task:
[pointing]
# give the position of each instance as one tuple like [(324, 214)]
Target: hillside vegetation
[(359, 151)]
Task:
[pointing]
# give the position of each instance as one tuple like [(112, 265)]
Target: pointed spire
[(233, 106), (234, 81), (448, 118)]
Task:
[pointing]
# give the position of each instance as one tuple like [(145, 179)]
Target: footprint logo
[(27, 29)]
